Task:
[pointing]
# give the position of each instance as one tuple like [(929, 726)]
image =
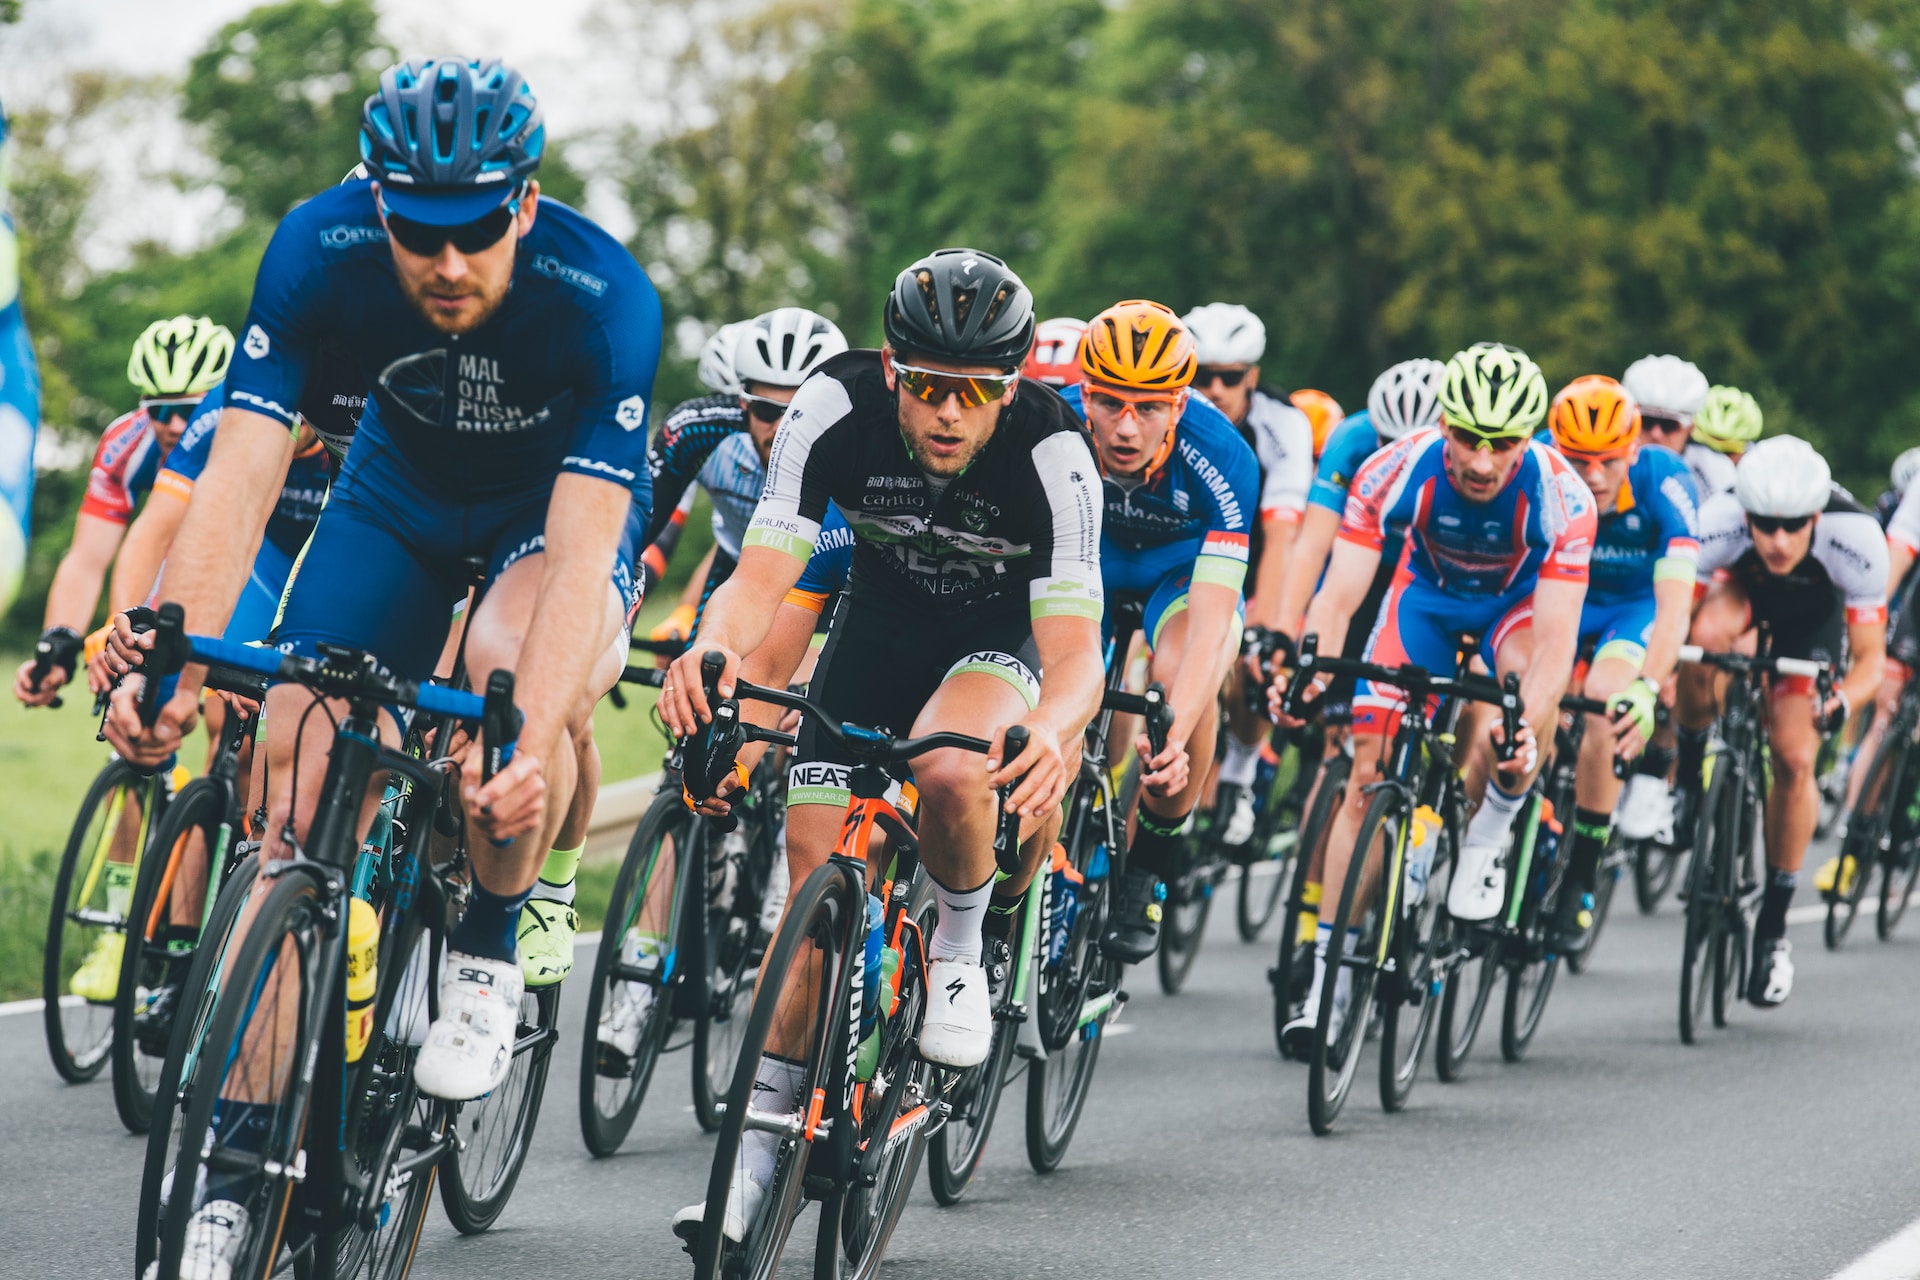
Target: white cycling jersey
[(1282, 439), (1904, 525), (1848, 548), (1712, 470)]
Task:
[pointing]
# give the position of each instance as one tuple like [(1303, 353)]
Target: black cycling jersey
[(1024, 518), (680, 455)]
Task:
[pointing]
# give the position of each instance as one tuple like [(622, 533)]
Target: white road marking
[(1896, 1258)]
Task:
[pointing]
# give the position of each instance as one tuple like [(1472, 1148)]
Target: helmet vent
[(963, 306), (928, 294)]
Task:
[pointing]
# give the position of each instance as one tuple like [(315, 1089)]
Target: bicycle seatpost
[(1006, 839)]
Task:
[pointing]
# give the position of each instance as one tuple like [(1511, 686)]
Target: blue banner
[(19, 403)]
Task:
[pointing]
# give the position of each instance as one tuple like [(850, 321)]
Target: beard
[(422, 294)]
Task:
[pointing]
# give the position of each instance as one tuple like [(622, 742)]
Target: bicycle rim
[(1463, 1003), (79, 1032), (1285, 977), (1334, 1060), (1189, 901), (1653, 871), (1057, 1093), (955, 1148), (408, 1137), (1407, 1020), (1057, 1086), (498, 1129), (1703, 919), (612, 1089), (1866, 832)]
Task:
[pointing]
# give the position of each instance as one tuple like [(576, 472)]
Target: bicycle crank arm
[(791, 1125)]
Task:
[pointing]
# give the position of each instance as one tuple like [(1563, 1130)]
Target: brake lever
[(1006, 839), (1510, 709)]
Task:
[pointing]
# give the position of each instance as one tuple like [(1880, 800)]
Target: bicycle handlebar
[(1417, 682), (1750, 663)]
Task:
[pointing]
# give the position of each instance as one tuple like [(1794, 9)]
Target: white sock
[(956, 935), (1494, 818), (776, 1091), (1322, 939), (1238, 761)]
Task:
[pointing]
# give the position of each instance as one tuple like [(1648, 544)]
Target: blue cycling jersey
[(558, 379), (1194, 511), (302, 494), (1651, 534), (1348, 448), (832, 558)]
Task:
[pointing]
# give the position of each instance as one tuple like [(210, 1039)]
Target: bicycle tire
[(1866, 832), (1254, 903), (730, 935), (386, 1251), (190, 1026), (1901, 862), (820, 913), (200, 805), (1189, 903), (1419, 942), (1470, 980), (1326, 1095), (1730, 943), (79, 1035), (609, 1103), (1532, 960), (1283, 977), (1703, 915), (293, 917), (1654, 869), (477, 1180), (1606, 882), (955, 1149)]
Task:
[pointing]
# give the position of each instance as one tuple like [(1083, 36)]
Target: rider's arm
[(1210, 608), (1672, 613), (1856, 558), (1310, 550), (1285, 442), (1277, 534), (75, 592), (1349, 574), (687, 439), (1899, 560), (1867, 660), (137, 567), (1556, 638), (1674, 503)]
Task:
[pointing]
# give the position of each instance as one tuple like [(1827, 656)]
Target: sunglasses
[(935, 385), (426, 240), (1467, 438), (1660, 422), (762, 408), (1775, 524), (168, 410), (1205, 377), (1146, 408)]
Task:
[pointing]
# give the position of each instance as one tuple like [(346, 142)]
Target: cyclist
[(173, 364), (975, 510), (1323, 411), (1405, 398), (1792, 551), (1671, 392), (1727, 423), (1639, 598), (1229, 341), (721, 441), (1498, 531), (515, 344), (1900, 479), (1055, 358), (1180, 486)]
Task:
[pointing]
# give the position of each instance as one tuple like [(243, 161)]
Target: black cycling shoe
[(1771, 981), (1133, 928), (153, 1025), (1573, 921)]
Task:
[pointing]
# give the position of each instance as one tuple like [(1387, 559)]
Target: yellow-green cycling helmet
[(1493, 390), (184, 356), (1729, 421)]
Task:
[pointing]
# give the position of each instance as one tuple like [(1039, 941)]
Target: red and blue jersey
[(1540, 525), (124, 465)]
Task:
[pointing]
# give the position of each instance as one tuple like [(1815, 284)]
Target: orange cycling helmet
[(1323, 411), (1596, 416), (1141, 346)]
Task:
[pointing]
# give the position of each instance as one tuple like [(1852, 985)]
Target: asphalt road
[(1781, 1147)]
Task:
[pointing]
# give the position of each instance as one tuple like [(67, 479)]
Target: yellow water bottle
[(363, 958), (1422, 839)]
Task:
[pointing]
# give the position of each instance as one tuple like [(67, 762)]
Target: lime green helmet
[(184, 356), (1729, 421), (1493, 390)]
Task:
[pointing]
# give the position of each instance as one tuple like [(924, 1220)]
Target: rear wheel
[(1275, 837), (1654, 867), (1463, 1003), (1334, 1058), (1408, 1011), (1867, 833), (1189, 900), (1902, 861), (92, 898), (497, 1130), (1292, 969), (955, 1149), (1533, 960)]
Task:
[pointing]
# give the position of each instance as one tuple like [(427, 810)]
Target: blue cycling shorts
[(386, 565), (1417, 624), (1161, 576), (259, 602), (1618, 629)]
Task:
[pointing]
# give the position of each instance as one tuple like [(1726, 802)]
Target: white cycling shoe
[(469, 1047), (958, 1029), (215, 1236), (744, 1199), (628, 1005), (1240, 824), (1646, 810), (1479, 884)]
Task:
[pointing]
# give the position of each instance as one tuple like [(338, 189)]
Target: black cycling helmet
[(451, 139), (961, 305)]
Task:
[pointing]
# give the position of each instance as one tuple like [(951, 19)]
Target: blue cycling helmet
[(451, 139)]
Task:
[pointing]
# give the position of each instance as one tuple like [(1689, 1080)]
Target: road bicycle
[(865, 1105), (1722, 886), (337, 1153), (1882, 829)]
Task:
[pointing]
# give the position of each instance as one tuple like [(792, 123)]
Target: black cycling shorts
[(1339, 697), (1903, 627), (882, 662), (1807, 620)]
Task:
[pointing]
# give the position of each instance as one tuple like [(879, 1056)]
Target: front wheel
[(1333, 1060), (1612, 867), (497, 1130), (1654, 866), (1408, 1012), (1470, 977), (1292, 967), (1867, 831), (1189, 901), (956, 1147)]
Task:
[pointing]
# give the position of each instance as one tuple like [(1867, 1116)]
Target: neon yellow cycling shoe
[(97, 980), (1835, 871), (546, 941)]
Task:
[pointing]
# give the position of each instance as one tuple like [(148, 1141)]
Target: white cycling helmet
[(716, 360), (1226, 333), (781, 347), (1784, 477), (1406, 398), (1905, 468), (1666, 385)]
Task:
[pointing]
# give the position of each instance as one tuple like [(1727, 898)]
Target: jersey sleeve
[(109, 494), (1286, 455), (290, 301), (800, 469), (828, 566), (1723, 533), (1903, 528), (1066, 577), (1674, 503), (1363, 520), (1573, 529), (1854, 551), (614, 386), (1351, 444), (1230, 476), (675, 460)]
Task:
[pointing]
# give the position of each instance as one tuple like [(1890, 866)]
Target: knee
[(1794, 762), (491, 648), (950, 783)]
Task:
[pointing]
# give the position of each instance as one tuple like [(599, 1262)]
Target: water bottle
[(1064, 906), (1097, 864), (1422, 839), (363, 957), (876, 943)]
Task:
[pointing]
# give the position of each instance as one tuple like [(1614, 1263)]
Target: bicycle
[(714, 889), (1405, 948), (354, 1204), (157, 953), (1882, 829), (858, 1137), (1721, 884), (1292, 969)]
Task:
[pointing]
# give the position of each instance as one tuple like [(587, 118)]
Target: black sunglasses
[(426, 240), (1205, 377), (764, 409), (168, 410), (1660, 422), (1774, 524)]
